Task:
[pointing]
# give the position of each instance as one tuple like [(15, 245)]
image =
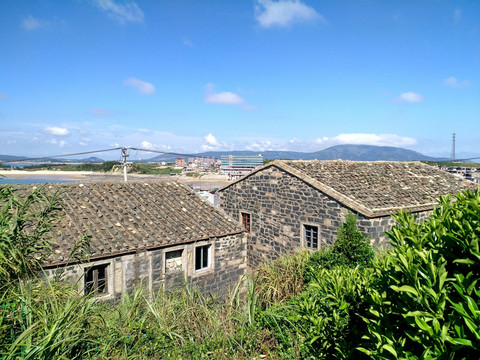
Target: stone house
[(155, 234), (286, 205)]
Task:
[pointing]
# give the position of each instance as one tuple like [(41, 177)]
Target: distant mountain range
[(344, 152), (89, 160)]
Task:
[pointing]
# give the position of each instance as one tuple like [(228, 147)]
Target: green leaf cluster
[(25, 225), (351, 249), (425, 298)]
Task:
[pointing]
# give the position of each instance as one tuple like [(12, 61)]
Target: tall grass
[(180, 323), (280, 279), (55, 321)]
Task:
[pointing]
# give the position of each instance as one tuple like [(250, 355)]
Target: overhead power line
[(64, 155), (163, 152)]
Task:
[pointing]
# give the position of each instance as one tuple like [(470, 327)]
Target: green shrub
[(352, 244), (350, 249), (425, 299), (325, 320)]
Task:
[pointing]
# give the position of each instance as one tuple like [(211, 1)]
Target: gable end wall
[(280, 204)]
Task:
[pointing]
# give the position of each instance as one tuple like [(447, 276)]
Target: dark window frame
[(96, 279), (246, 219), (203, 259), (310, 236)]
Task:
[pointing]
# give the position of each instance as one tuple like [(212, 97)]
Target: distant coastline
[(38, 177), (55, 176)]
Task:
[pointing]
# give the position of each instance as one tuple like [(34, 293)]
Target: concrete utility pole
[(124, 156), (453, 147)]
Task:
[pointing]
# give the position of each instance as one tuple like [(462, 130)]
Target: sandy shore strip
[(67, 175), (207, 182)]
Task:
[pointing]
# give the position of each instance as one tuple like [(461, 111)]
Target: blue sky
[(189, 76)]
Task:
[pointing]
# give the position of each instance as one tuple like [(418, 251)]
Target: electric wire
[(145, 150), (57, 156)]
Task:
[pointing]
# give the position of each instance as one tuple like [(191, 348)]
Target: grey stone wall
[(280, 204), (228, 262)]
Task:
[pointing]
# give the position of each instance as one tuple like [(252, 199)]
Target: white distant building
[(207, 195), (239, 165)]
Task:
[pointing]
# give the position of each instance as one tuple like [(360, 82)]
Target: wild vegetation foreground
[(418, 300)]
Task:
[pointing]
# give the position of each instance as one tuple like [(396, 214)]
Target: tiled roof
[(125, 217), (376, 188)]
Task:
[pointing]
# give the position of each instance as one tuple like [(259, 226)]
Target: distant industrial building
[(236, 165)]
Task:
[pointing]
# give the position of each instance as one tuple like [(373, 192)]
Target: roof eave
[(139, 249)]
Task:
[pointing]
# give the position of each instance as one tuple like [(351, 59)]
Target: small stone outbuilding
[(286, 205), (157, 235)]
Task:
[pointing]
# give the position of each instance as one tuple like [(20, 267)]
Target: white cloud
[(454, 83), (210, 139), (410, 97), (3, 96), (146, 145), (57, 131), (224, 98), (213, 144), (31, 23), (100, 111), (84, 141), (284, 12), (321, 140), (142, 87), (123, 13), (56, 142), (263, 145), (368, 139)]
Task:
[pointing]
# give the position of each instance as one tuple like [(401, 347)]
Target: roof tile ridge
[(328, 190), (216, 211), (212, 214)]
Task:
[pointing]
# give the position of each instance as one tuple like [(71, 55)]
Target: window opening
[(202, 257), (173, 261), (246, 221), (311, 236), (96, 279)]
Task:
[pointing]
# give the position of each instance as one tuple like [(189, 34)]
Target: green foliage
[(278, 280), (352, 245), (425, 298), (325, 320), (25, 226), (153, 169), (55, 322), (350, 249), (183, 323), (108, 165), (451, 164)]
